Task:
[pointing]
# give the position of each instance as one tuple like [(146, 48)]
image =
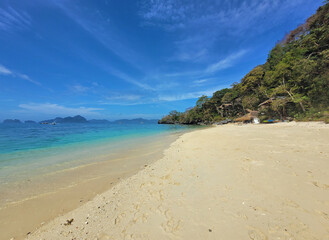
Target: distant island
[(12, 121), (135, 121), (75, 119), (30, 122), (292, 84), (80, 119), (99, 121)]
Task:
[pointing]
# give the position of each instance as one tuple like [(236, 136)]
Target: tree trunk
[(302, 106)]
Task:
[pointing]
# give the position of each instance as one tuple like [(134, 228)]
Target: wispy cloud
[(185, 14), (125, 97), (199, 26), (169, 14), (78, 88), (129, 79), (122, 99), (99, 27), (12, 20), (57, 110), (189, 56), (5, 71), (189, 95), (227, 62), (201, 82), (101, 30)]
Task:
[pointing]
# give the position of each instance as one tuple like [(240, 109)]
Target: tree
[(201, 101), (294, 80)]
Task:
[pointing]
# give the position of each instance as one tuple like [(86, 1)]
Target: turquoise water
[(21, 137), (27, 149)]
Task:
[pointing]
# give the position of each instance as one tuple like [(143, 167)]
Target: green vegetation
[(293, 83)]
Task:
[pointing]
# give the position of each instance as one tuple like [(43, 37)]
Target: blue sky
[(125, 59)]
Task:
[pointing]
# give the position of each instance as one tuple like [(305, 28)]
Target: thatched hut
[(249, 117)]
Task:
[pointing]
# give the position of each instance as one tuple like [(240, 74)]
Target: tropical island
[(292, 84), (124, 179)]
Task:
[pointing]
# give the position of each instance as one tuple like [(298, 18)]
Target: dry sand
[(227, 182)]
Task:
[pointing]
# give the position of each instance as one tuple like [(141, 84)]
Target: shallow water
[(35, 153)]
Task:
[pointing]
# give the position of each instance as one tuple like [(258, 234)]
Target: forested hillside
[(293, 83)]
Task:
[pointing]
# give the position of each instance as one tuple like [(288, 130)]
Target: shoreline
[(70, 188), (230, 182)]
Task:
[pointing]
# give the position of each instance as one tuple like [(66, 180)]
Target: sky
[(110, 59)]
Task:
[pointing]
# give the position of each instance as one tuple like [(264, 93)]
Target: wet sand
[(227, 182), (42, 198)]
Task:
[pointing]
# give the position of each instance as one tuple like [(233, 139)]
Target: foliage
[(294, 81)]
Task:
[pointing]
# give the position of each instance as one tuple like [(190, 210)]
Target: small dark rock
[(69, 222)]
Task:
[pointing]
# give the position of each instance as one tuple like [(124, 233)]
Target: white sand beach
[(226, 182)]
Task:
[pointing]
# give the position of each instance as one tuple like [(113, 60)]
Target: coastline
[(43, 198), (229, 182)]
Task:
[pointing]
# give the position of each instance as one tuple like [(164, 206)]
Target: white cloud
[(57, 110), (227, 62), (6, 71), (79, 88), (99, 27), (200, 26), (190, 95), (201, 81), (167, 13), (12, 20), (125, 97), (189, 56), (129, 79), (25, 77)]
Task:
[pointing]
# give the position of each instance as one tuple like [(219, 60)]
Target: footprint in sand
[(260, 210), (103, 236), (256, 234), (319, 185), (291, 203), (323, 214)]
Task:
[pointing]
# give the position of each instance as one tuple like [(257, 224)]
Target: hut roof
[(247, 117), (244, 118)]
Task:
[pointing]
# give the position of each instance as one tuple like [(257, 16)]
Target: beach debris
[(28, 233), (209, 230), (69, 222)]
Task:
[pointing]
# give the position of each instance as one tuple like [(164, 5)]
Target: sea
[(29, 151)]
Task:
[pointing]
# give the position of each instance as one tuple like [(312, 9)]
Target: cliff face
[(293, 83)]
